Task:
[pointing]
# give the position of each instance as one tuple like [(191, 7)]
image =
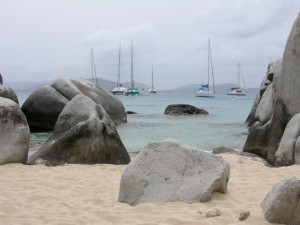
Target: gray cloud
[(42, 41)]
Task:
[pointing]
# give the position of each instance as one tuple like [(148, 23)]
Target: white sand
[(88, 194)]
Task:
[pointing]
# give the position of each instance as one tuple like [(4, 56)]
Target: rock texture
[(276, 104), (14, 133), (43, 107), (6, 92), (83, 134), (168, 171), (45, 104), (183, 109), (282, 203)]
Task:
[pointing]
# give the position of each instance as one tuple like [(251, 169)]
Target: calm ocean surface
[(224, 126)]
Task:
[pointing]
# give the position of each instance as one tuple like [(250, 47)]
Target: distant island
[(109, 85)]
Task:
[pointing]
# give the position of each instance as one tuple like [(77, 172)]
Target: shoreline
[(88, 194)]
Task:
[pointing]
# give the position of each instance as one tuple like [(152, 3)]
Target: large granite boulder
[(45, 104), (6, 92), (43, 107), (168, 171), (277, 102), (184, 109), (14, 133), (83, 134), (282, 203)]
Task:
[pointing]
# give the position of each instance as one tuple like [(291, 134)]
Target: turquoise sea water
[(224, 126)]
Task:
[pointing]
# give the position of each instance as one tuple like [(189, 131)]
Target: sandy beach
[(88, 194)]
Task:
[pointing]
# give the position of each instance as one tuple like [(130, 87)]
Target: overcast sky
[(43, 40)]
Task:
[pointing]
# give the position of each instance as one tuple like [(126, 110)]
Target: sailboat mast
[(132, 81), (93, 67), (239, 82), (152, 78), (212, 70), (208, 63), (241, 74), (119, 67)]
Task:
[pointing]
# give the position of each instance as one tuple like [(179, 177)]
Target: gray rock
[(168, 171), (276, 106), (14, 133), (297, 151), (131, 112), (244, 215), (83, 134), (213, 212), (110, 103), (282, 203), (6, 92), (221, 150), (43, 107), (184, 109), (45, 104), (264, 109), (285, 153), (264, 102)]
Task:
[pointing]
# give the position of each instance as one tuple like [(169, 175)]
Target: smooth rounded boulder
[(7, 92), (43, 107), (14, 133), (169, 171), (282, 203), (110, 103), (83, 134)]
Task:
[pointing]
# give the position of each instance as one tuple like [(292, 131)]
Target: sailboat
[(93, 69), (119, 90), (238, 90), (152, 89), (204, 90), (132, 90)]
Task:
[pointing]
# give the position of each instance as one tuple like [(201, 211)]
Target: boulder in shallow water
[(45, 104), (168, 171), (184, 109), (14, 133), (43, 107), (83, 134)]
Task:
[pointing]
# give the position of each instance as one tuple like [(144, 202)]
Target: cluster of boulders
[(43, 106), (83, 119), (274, 120)]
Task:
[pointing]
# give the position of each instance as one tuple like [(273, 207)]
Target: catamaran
[(119, 90), (204, 90), (238, 91), (152, 89), (132, 90)]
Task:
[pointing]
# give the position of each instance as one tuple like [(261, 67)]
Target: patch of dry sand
[(88, 194)]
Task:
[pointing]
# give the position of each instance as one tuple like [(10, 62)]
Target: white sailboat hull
[(236, 93), (119, 90), (204, 94), (152, 91)]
